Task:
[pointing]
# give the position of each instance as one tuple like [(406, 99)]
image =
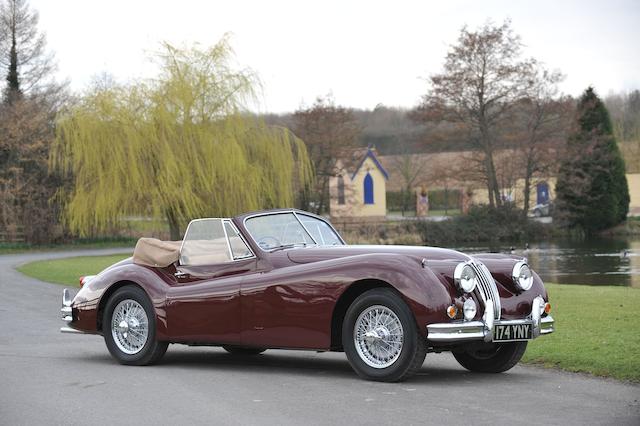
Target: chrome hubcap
[(129, 326), (378, 336)]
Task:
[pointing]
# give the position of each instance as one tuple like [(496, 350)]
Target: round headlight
[(465, 277), (469, 309), (522, 276)]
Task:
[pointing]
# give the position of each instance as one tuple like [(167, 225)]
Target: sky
[(363, 53)]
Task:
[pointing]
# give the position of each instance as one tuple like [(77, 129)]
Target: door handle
[(181, 274)]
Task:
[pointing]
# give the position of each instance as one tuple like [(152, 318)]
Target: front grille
[(486, 288)]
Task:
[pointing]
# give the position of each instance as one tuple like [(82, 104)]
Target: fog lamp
[(469, 309), (452, 311)]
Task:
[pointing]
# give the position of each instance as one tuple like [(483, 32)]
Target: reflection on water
[(595, 262)]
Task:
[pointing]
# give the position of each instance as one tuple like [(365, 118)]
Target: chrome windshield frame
[(222, 220), (295, 214)]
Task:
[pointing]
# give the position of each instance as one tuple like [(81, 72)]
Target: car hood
[(315, 254)]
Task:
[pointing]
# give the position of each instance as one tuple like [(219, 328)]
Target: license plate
[(512, 332)]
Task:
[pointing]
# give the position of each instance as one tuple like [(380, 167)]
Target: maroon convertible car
[(286, 279)]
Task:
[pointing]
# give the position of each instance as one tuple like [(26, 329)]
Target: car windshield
[(288, 229)]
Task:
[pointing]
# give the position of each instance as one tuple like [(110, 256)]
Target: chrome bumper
[(67, 313), (462, 331)]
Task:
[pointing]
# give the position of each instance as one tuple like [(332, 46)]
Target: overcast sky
[(363, 52)]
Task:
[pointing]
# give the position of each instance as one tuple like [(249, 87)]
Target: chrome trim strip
[(72, 331), (226, 237), (305, 228), (235, 228)]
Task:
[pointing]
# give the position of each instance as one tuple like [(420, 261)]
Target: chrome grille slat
[(487, 289)]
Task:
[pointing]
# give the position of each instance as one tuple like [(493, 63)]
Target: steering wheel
[(264, 242)]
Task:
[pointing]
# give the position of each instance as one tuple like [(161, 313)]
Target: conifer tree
[(28, 68), (592, 192)]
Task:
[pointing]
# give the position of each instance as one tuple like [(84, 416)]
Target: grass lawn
[(595, 331), (595, 326), (68, 271), (11, 248)]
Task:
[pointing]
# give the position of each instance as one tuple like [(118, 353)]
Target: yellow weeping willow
[(178, 147)]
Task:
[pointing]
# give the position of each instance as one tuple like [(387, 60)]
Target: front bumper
[(463, 331), (67, 313)]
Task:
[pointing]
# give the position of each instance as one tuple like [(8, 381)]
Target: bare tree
[(542, 122), (409, 166), (484, 76), (330, 133)]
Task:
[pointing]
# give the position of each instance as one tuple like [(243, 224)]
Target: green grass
[(596, 331), (595, 325), (11, 248), (68, 271)]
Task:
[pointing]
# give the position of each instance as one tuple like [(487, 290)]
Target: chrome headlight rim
[(522, 275), (465, 277), (469, 309)]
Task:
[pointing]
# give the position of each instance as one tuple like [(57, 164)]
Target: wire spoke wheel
[(129, 326), (378, 336)]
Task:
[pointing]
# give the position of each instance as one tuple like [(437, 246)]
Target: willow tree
[(177, 147)]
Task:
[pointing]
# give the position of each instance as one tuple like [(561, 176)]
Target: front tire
[(494, 358), (129, 328), (380, 337)]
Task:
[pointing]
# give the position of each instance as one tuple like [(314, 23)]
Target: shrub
[(482, 224)]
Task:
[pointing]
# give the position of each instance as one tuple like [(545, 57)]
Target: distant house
[(448, 170), (359, 188)]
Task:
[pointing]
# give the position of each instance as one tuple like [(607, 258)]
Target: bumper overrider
[(67, 313), (462, 331)]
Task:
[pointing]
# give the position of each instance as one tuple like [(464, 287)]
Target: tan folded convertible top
[(156, 253)]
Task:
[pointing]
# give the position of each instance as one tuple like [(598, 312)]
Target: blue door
[(368, 189), (542, 193)]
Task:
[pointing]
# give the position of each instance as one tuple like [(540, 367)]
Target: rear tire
[(129, 328), (241, 350), (380, 337), (495, 358)]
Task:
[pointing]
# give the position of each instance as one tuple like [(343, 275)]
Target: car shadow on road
[(300, 363)]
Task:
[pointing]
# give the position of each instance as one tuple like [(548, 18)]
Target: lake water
[(602, 261)]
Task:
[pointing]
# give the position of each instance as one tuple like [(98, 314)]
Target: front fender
[(92, 296), (424, 291)]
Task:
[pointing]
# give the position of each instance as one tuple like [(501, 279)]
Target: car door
[(204, 305), (288, 305)]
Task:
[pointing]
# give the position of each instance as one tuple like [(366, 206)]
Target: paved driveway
[(51, 378)]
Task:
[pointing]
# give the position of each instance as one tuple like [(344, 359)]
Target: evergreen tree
[(28, 68), (592, 192)]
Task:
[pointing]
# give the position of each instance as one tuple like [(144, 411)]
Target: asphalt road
[(51, 378)]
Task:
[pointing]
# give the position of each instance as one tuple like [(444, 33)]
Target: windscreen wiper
[(287, 246)]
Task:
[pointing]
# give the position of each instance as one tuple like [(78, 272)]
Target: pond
[(602, 261)]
